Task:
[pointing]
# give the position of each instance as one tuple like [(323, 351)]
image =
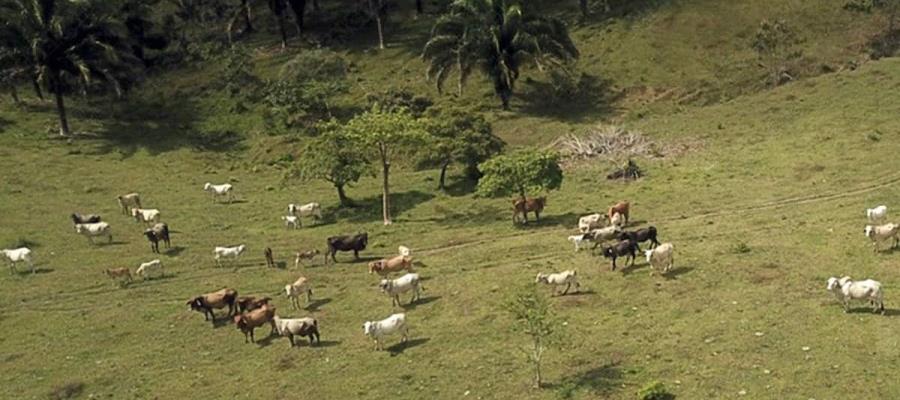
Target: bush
[(654, 391), (305, 86), (239, 82)]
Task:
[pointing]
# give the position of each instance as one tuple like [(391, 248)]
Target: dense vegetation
[(771, 126)]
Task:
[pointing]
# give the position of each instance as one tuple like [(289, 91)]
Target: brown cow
[(219, 299), (250, 303), (621, 208), (249, 321), (270, 261), (119, 273), (529, 204), (395, 264)]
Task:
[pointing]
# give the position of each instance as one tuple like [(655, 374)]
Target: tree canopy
[(521, 172)]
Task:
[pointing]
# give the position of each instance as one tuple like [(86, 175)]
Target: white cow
[(404, 251), (145, 215), (377, 330), (18, 255), (223, 190), (876, 214), (228, 252), (94, 230), (129, 201), (403, 284), (299, 287), (568, 278), (578, 240), (149, 269), (291, 221), (313, 210), (589, 222), (845, 290), (881, 233), (662, 257)]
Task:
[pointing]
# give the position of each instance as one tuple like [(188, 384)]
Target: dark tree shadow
[(479, 214), (587, 99), (6, 123), (567, 220), (157, 125), (403, 346), (461, 186), (369, 209), (598, 380), (420, 302), (627, 10)]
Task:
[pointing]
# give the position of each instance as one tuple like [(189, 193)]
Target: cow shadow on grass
[(567, 220), (174, 251), (220, 321), (325, 343), (598, 380), (369, 209), (318, 303), (37, 270), (865, 309), (420, 302), (399, 348), (675, 272)]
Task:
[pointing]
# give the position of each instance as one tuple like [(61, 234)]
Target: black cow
[(623, 248), (158, 232), (85, 219), (356, 243), (641, 235)]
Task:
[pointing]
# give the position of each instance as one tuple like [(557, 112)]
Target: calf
[(299, 287), (149, 269), (394, 264), (623, 248), (85, 218), (291, 221), (145, 215), (18, 255), (123, 275), (876, 214), (270, 261), (298, 327), (661, 257), (377, 330), (303, 256), (622, 207), (355, 243), (94, 230), (527, 205), (155, 234), (641, 235), (568, 278), (249, 321), (215, 300), (590, 222), (129, 201), (403, 284), (578, 240)]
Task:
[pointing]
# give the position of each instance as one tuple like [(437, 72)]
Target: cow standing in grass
[(527, 205)]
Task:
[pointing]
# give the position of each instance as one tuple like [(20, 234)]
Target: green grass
[(762, 211), (789, 175)]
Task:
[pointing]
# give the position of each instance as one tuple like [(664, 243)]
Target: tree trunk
[(419, 9), (316, 7), (283, 32), (345, 201), (522, 193), (248, 18), (584, 8), (299, 7), (443, 175), (37, 88), (15, 94), (61, 110), (386, 193), (378, 22)]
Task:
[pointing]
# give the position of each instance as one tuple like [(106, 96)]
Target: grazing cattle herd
[(250, 312)]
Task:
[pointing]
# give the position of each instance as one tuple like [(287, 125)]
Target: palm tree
[(72, 44), (499, 37)]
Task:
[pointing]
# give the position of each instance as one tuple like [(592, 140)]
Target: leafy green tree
[(73, 44), (334, 158), (521, 172), (531, 311), (461, 137), (499, 37), (775, 43), (305, 86), (385, 133)]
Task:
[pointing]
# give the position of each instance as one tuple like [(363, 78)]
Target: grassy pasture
[(787, 173)]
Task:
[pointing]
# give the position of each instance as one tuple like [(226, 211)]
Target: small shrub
[(69, 390), (740, 248), (874, 136), (654, 391), (306, 84), (217, 140)]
